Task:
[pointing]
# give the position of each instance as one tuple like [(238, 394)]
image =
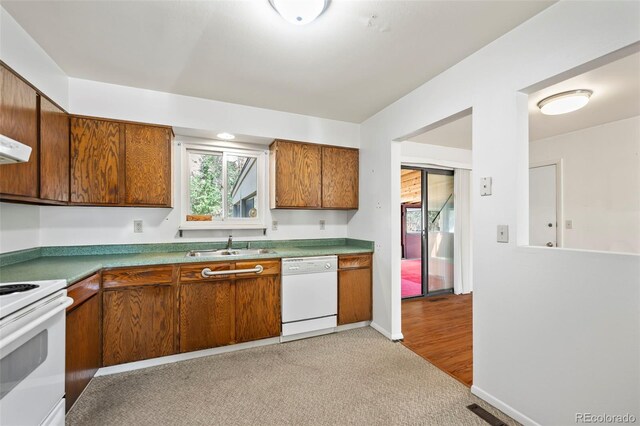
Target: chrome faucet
[(229, 242)]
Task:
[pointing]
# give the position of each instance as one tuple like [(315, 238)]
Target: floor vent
[(485, 415)]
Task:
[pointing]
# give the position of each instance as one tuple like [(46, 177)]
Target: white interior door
[(542, 206)]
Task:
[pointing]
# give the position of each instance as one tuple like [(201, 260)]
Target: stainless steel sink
[(226, 253)]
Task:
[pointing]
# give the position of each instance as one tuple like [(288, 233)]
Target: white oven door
[(32, 350)]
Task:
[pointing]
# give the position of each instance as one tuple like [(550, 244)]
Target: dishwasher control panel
[(309, 265)]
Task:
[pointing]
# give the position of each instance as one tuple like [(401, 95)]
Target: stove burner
[(16, 288)]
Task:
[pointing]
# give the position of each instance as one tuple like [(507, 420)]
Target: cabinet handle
[(206, 272)]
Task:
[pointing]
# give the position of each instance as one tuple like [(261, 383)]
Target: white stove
[(15, 296), (32, 351)]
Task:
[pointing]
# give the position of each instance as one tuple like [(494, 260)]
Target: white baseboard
[(130, 366), (137, 365), (385, 333), (505, 408)]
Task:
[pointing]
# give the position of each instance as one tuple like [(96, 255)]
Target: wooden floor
[(439, 330)]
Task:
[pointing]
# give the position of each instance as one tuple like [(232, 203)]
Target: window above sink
[(222, 188)]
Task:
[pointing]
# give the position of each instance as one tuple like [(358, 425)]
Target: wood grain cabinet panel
[(295, 175), (83, 346), (147, 165), (340, 168), (207, 315), (354, 288), (137, 276), (95, 161), (257, 308), (19, 121), (54, 152), (138, 323)]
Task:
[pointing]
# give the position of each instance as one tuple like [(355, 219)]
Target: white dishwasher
[(309, 296)]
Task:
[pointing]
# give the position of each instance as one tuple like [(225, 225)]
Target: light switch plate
[(322, 225), (485, 186), (568, 224), (503, 233), (274, 225)]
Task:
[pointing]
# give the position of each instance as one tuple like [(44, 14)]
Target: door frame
[(559, 197), (424, 258)]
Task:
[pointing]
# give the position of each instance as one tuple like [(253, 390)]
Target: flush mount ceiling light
[(299, 12), (562, 103), (226, 136)]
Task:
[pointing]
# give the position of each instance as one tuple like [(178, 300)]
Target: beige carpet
[(353, 377)]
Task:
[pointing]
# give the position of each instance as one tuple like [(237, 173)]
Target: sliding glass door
[(428, 224)]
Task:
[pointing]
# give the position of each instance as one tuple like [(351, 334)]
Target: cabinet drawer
[(193, 273), (354, 261), (83, 290), (113, 278), (271, 267)]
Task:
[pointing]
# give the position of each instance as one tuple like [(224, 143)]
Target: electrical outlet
[(137, 226), (274, 225), (322, 223), (503, 233)]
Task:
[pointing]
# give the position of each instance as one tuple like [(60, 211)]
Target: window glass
[(205, 185), (242, 186)]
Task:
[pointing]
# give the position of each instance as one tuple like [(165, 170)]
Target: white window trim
[(225, 223)]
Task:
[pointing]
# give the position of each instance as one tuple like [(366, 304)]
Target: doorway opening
[(428, 225), (435, 240)]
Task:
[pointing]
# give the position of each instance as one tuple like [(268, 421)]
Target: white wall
[(555, 331), (19, 227), (601, 184)]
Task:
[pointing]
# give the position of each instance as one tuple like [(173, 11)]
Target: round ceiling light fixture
[(562, 103), (300, 12), (226, 136)]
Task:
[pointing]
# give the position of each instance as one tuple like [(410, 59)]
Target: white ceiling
[(345, 66), (616, 96), (455, 134)]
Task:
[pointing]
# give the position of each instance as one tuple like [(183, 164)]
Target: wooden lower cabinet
[(138, 323), (206, 314), (257, 308), (83, 346), (354, 289)]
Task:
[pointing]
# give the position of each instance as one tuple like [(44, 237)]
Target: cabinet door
[(138, 323), (95, 161), (54, 152), (257, 308), (295, 175), (354, 296), (206, 315), (19, 121), (147, 165), (83, 347), (340, 178)]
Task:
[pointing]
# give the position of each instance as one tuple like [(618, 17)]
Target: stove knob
[(327, 266)]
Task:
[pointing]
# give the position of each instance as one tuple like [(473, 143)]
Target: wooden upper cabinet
[(309, 176), (147, 165), (19, 121), (54, 152), (95, 161), (120, 164), (295, 170), (340, 168)]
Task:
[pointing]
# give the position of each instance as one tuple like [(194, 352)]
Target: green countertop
[(77, 262)]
